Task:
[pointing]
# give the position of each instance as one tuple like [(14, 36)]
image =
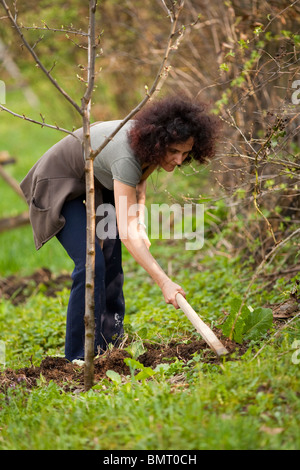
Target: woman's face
[(176, 154)]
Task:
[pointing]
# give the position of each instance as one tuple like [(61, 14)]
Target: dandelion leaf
[(257, 323), (234, 325)]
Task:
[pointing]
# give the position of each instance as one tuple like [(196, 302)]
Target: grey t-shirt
[(116, 161)]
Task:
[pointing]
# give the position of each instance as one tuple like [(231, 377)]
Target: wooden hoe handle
[(206, 333)]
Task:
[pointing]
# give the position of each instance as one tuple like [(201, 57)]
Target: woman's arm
[(132, 238), (141, 200)]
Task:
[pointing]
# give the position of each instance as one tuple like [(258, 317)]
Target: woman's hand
[(170, 289)]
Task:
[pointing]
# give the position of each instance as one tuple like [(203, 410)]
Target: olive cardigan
[(58, 176)]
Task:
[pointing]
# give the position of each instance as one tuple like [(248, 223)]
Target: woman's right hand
[(170, 289)]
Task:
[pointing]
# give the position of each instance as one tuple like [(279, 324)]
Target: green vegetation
[(244, 405), (249, 400)]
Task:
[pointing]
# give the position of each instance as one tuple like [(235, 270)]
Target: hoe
[(206, 333)]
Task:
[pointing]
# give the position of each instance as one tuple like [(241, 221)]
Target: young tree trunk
[(89, 317)]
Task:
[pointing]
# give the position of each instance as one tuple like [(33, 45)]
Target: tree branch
[(285, 325), (56, 30), (40, 123), (157, 81), (9, 223), (11, 182)]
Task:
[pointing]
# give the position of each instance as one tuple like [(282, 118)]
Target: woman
[(164, 134)]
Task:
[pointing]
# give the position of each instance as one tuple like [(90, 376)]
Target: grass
[(248, 403), (243, 405), (26, 143), (251, 402)]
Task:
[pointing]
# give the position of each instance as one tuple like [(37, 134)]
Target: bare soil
[(18, 289), (71, 376)]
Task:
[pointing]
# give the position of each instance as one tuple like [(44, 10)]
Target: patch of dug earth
[(155, 354), (71, 376), (18, 289)]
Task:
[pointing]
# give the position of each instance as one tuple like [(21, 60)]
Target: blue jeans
[(109, 299)]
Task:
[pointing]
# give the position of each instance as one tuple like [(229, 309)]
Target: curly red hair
[(173, 120)]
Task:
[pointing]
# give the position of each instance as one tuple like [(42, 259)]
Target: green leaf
[(135, 349), (145, 373), (244, 44), (142, 333), (258, 323), (133, 364), (258, 30), (224, 67), (296, 39), (234, 325)]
